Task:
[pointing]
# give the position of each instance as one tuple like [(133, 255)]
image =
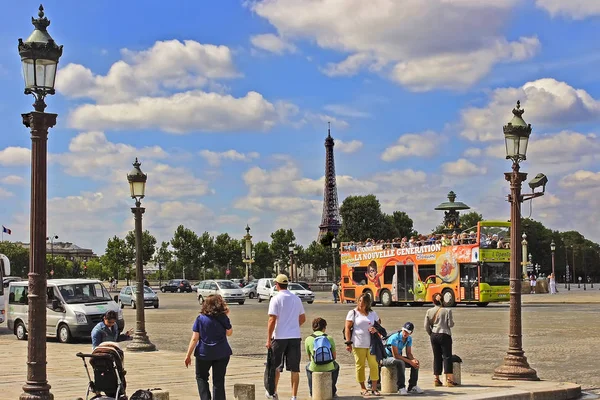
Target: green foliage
[(61, 266), (118, 257), (18, 257), (148, 243), (263, 260), (318, 255), (470, 219), (280, 242), (227, 252), (327, 239), (95, 269), (187, 249), (402, 224)]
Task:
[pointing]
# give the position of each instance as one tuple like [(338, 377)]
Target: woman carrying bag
[(438, 321), (360, 324)]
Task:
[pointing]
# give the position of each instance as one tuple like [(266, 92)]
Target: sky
[(226, 105)]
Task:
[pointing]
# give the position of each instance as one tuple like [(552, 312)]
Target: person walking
[(334, 291), (322, 354), (286, 315), (210, 347), (360, 323), (438, 324)]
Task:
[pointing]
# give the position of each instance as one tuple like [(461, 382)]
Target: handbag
[(351, 328), (269, 376)]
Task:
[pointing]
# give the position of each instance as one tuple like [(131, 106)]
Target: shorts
[(286, 351)]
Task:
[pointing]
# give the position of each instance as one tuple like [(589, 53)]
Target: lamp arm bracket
[(531, 196)]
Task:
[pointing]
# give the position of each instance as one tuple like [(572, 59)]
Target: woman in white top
[(552, 284), (360, 321)]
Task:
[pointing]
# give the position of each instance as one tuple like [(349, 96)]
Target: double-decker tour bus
[(472, 266), (4, 272)]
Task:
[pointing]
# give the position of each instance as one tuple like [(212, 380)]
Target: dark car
[(305, 285), (177, 285)]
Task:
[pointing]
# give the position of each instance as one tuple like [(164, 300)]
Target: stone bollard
[(159, 394), (456, 371), (389, 377), (322, 386), (244, 391)]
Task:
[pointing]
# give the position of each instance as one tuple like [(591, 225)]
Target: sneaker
[(402, 392), (294, 398), (416, 389), (273, 397)]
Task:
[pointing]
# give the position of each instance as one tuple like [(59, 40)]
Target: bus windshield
[(84, 293), (495, 273)]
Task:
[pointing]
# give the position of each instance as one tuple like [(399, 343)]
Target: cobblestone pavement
[(560, 340)]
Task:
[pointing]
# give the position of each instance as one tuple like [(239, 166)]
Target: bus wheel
[(448, 298), (485, 304), (386, 298)]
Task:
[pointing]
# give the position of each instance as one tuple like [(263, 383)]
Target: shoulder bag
[(351, 328)]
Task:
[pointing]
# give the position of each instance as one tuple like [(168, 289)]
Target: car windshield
[(295, 286), (227, 285), (146, 289), (250, 286), (84, 293)]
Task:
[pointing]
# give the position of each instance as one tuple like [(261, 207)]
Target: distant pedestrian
[(210, 347), (334, 291), (321, 352), (360, 323), (552, 284), (286, 315), (438, 321), (532, 283)]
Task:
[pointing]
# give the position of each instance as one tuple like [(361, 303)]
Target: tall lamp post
[(293, 251), (567, 270), (248, 253), (524, 263), (39, 56), (334, 245), (516, 136), (553, 249), (51, 239), (575, 276), (137, 185)]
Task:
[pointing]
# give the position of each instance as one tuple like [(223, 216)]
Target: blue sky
[(226, 104)]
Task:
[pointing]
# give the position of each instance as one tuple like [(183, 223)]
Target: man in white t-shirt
[(286, 314), (334, 290)]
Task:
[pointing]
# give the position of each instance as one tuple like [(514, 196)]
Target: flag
[(6, 230)]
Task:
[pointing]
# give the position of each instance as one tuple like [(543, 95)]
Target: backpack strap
[(313, 335)]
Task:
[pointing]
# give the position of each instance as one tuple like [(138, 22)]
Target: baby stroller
[(109, 375)]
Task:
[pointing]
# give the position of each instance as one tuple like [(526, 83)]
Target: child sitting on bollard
[(321, 353)]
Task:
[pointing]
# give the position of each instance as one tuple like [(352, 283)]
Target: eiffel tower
[(330, 221)]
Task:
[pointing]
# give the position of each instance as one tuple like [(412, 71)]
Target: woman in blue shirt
[(209, 345)]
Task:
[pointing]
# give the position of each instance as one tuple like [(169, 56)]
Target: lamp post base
[(141, 342), (34, 391), (515, 368)]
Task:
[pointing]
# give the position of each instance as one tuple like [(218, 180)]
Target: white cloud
[(472, 152), (348, 147), (215, 158), (193, 111), (462, 167), (317, 119), (576, 9), (167, 65), (424, 144), (15, 156), (12, 180), (346, 111), (272, 43), (547, 103), (581, 179), (380, 35), (5, 193)]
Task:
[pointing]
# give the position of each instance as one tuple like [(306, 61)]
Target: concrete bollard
[(244, 391), (456, 370), (322, 386), (159, 394), (389, 377)]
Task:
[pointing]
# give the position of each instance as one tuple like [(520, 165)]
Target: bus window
[(495, 274), (359, 275), (426, 271), (388, 274)]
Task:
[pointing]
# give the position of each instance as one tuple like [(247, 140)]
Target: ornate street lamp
[(137, 186), (334, 245), (39, 56), (51, 239), (553, 249), (293, 250), (516, 136), (248, 253), (524, 261)]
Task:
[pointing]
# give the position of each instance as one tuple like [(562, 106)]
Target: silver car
[(250, 290), (128, 295), (229, 291)]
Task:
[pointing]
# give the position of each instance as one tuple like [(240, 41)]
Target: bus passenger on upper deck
[(494, 241), (454, 240), (445, 241)]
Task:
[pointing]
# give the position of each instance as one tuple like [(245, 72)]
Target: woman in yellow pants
[(359, 326)]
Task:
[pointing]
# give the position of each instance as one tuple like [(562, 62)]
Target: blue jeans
[(400, 366), (219, 368), (334, 377), (335, 296)]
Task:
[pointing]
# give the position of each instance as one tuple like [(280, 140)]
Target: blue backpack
[(322, 353)]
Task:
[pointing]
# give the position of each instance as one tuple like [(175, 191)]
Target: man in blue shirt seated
[(108, 331), (394, 345)]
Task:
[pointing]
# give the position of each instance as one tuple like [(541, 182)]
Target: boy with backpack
[(321, 353)]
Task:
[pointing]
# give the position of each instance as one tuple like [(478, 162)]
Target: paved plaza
[(560, 333)]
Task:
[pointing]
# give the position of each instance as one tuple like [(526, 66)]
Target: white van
[(74, 307), (265, 289)]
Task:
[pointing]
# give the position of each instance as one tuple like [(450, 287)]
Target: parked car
[(250, 290), (305, 285), (195, 286), (263, 289), (240, 282), (229, 291), (177, 285), (127, 296), (305, 295)]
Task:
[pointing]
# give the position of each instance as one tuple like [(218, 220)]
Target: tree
[(187, 249), (18, 257), (163, 258), (402, 223), (228, 252), (470, 219), (362, 218), (118, 256), (263, 260), (61, 267), (148, 243), (318, 256), (280, 242), (95, 269)]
